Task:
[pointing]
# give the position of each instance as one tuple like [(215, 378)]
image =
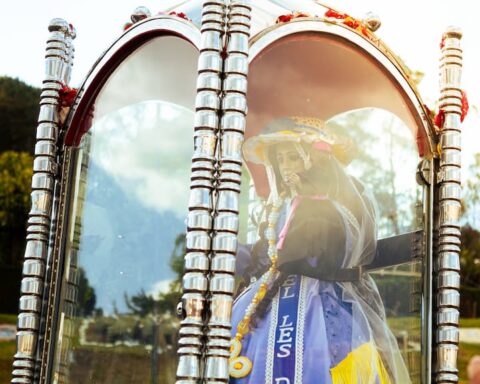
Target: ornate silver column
[(203, 181), (224, 247), (57, 59), (448, 179), (66, 73)]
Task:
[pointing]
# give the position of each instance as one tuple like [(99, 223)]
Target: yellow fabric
[(361, 366)]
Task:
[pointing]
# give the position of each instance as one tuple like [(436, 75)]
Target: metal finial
[(372, 21), (453, 31), (140, 13), (58, 25)]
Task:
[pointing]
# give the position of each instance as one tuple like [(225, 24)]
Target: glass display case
[(245, 192)]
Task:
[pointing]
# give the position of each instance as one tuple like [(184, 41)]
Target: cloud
[(162, 286), (147, 149)]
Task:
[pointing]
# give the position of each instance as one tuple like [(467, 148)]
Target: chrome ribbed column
[(448, 179), (66, 74), (203, 181), (224, 246), (57, 58)]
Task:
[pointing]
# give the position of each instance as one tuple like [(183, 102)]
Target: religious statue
[(311, 314)]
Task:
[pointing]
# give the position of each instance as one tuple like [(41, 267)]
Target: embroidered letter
[(282, 380), (286, 293), (284, 322), (285, 350), (285, 335)]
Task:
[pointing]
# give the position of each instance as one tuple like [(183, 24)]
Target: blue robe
[(309, 333)]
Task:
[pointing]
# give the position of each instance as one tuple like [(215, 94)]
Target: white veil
[(368, 311)]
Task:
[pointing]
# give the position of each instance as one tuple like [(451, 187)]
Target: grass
[(469, 323), (7, 350), (465, 352), (398, 324), (8, 319)]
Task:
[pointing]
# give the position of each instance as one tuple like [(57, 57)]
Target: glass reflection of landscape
[(125, 242), (385, 159), (386, 163)]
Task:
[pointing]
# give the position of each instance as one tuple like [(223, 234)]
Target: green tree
[(177, 261), (140, 304), (86, 294), (470, 272), (472, 192), (15, 186), (378, 138), (18, 115), (168, 300), (143, 304), (470, 254)]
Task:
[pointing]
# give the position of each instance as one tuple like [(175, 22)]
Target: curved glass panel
[(125, 229), (328, 264)]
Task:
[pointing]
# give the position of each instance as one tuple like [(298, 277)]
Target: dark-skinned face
[(289, 162)]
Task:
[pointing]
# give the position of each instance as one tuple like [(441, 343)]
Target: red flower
[(348, 21), (465, 106), (290, 16), (179, 14), (335, 14), (430, 113), (67, 96), (351, 22), (439, 118), (127, 25), (284, 18)]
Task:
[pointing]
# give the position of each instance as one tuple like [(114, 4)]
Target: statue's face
[(289, 161)]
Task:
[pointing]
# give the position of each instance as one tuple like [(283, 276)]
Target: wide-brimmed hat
[(302, 130)]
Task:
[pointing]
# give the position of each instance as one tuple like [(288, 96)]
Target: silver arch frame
[(213, 206), (387, 59), (168, 24), (383, 56), (155, 26)]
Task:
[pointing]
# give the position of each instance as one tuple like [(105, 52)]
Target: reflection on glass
[(328, 219), (126, 231), (385, 159)]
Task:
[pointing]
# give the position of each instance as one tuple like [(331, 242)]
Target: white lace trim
[(271, 339), (302, 299)]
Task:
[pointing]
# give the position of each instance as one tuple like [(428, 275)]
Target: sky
[(412, 28)]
